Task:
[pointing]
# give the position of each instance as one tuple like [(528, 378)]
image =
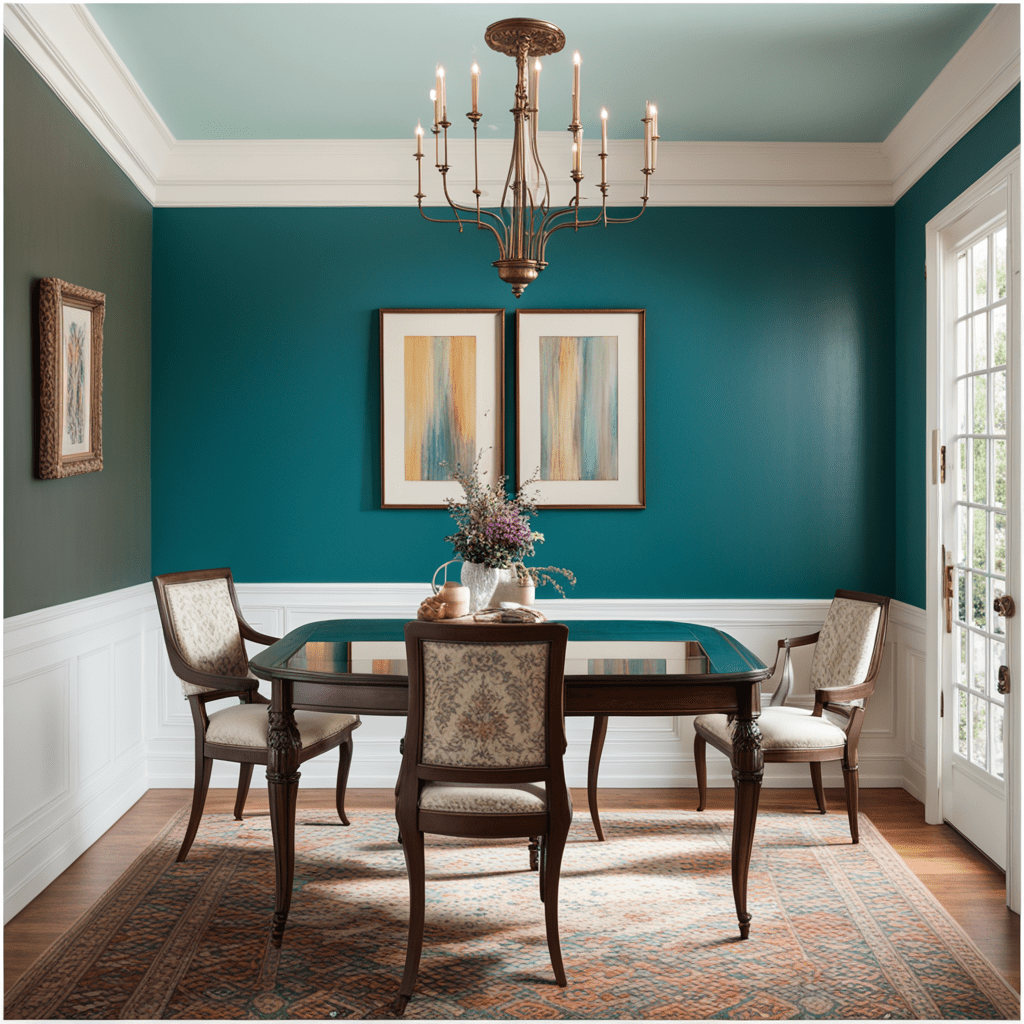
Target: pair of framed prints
[(579, 398)]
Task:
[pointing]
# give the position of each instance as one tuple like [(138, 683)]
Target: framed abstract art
[(580, 406), (441, 401), (70, 397)]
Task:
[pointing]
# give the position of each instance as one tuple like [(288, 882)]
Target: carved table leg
[(747, 772), (283, 786), (596, 749)]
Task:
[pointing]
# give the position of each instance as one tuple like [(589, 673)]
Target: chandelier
[(525, 220)]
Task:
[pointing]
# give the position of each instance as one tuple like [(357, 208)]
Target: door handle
[(1004, 606), (1003, 684), (947, 594)]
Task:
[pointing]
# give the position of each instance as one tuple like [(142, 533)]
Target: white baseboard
[(94, 717)]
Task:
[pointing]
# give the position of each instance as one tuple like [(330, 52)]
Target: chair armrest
[(843, 694), (248, 633), (232, 683), (786, 644)]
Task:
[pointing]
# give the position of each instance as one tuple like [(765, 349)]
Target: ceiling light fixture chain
[(523, 228)]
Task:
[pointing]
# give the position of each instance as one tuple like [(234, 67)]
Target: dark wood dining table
[(627, 667)]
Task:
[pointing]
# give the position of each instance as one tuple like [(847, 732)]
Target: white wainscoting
[(75, 684), (93, 716)]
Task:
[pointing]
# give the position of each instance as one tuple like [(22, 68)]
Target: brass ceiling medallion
[(525, 221)]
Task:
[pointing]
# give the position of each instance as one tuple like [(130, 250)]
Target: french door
[(978, 508)]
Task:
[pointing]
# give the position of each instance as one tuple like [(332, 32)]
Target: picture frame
[(580, 419), (442, 383), (70, 389)]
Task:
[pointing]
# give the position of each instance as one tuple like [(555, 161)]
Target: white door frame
[(1005, 174)]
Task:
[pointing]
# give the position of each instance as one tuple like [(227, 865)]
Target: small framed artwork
[(442, 378), (70, 379), (580, 406)]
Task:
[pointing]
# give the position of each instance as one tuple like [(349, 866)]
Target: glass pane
[(999, 336), (999, 473), (979, 605), (978, 645), (1000, 248), (979, 545), (979, 732), (980, 414), (997, 657), (999, 543), (961, 723), (962, 519), (961, 348), (999, 402), (979, 493), (961, 656), (980, 342), (997, 740), (961, 284), (979, 261), (961, 589), (998, 589), (962, 407), (962, 470)]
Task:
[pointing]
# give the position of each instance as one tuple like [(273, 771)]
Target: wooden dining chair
[(204, 632), (482, 756), (847, 657)]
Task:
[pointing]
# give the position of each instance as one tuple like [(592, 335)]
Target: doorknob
[(1003, 684), (1004, 606)]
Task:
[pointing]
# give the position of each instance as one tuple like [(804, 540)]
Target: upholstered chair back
[(484, 704), (203, 623), (846, 643)]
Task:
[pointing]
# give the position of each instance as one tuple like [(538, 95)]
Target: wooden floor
[(969, 886)]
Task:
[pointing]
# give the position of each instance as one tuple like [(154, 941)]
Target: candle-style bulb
[(576, 58), (576, 87), (437, 111), (419, 139), (474, 73)]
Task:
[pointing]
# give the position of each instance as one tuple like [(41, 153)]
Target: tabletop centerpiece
[(493, 537)]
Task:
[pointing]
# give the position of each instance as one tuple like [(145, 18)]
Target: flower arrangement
[(494, 530)]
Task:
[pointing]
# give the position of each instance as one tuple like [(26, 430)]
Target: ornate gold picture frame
[(70, 379)]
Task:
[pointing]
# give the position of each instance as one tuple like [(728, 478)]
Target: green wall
[(70, 212), (769, 395), (981, 149)]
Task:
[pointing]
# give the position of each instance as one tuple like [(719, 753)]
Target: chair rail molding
[(69, 50), (92, 677)]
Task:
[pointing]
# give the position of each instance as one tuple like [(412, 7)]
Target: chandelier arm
[(629, 220)]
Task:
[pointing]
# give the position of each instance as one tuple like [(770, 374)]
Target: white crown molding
[(68, 49), (366, 172), (981, 73)]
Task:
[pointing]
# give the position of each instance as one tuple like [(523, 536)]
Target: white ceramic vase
[(488, 586)]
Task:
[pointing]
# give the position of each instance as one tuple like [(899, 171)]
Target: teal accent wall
[(982, 148), (770, 395), (70, 212)]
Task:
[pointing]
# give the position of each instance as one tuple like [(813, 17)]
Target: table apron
[(659, 699), (581, 699)]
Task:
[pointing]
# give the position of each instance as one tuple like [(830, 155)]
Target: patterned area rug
[(648, 929)]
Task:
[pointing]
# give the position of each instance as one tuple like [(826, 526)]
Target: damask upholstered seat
[(482, 755), (847, 657), (204, 633)]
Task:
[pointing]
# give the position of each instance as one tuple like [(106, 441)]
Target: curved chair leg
[(416, 868), (551, 866), (850, 778), (244, 778), (594, 766), (819, 789), (204, 766), (344, 763), (700, 760)]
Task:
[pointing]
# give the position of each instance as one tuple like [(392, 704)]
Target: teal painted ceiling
[(718, 72)]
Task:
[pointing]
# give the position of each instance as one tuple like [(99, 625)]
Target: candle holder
[(524, 222)]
